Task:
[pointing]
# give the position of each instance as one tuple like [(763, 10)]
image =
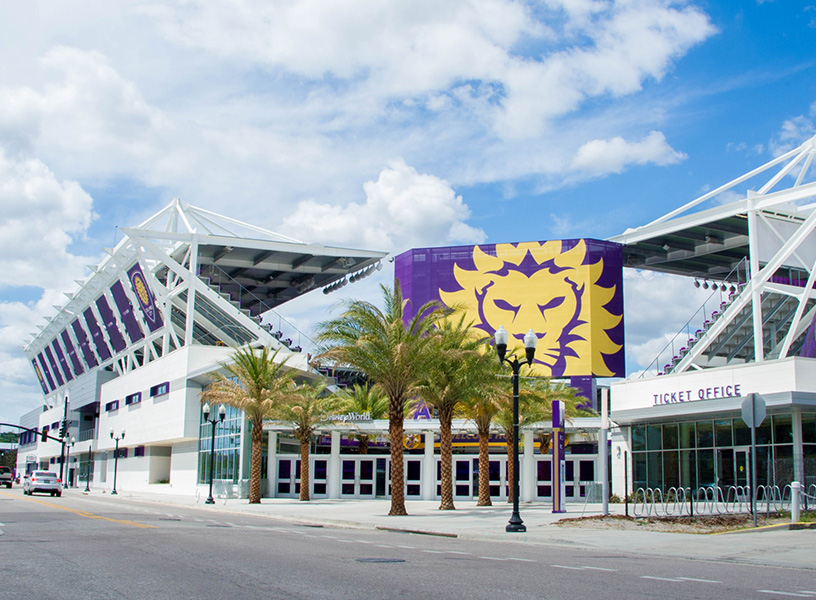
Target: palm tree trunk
[(255, 463), (304, 469), (484, 468), (395, 431), (446, 458), (363, 444), (511, 465)]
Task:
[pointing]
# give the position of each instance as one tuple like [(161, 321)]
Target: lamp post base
[(113, 493), (516, 525), (209, 500)]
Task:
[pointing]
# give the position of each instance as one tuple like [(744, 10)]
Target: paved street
[(100, 546)]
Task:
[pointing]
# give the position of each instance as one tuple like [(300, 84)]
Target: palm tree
[(307, 409), (457, 373), (257, 385), (391, 352), (482, 408), (364, 399)]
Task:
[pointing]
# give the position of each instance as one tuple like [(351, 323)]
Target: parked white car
[(42, 481)]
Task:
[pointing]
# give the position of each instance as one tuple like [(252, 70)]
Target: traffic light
[(44, 435), (63, 428)]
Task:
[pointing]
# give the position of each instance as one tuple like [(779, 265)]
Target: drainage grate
[(381, 560)]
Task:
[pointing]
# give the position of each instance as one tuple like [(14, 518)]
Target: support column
[(603, 451), (756, 295), (429, 468), (528, 474), (798, 449), (272, 465), (333, 484)]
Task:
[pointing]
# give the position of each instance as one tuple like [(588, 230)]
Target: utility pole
[(63, 436)]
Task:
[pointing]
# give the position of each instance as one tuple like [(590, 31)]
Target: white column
[(429, 468), (188, 329), (756, 296), (528, 474), (272, 465), (603, 450), (333, 484), (798, 449)]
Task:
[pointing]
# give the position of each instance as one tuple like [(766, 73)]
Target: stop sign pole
[(753, 413)]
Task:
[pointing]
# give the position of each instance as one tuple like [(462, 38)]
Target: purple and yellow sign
[(569, 292), (145, 297), (40, 377)]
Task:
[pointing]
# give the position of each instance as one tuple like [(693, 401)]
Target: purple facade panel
[(96, 334), (72, 354), (809, 347), (40, 377), (117, 341), (53, 365), (63, 363), (84, 344), (46, 372), (147, 302), (125, 308)]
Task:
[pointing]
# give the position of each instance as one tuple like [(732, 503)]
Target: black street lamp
[(116, 457), (516, 525), (88, 472), (68, 446), (222, 412)]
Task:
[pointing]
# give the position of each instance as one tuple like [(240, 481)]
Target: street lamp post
[(63, 437), (68, 446), (116, 457), (515, 525), (88, 473), (222, 412)]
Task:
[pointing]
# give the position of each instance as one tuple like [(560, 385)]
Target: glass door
[(742, 463)]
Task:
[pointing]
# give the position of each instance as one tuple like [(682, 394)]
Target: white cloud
[(601, 157), (793, 132), (403, 209)]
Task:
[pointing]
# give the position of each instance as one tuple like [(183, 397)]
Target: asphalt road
[(100, 547)]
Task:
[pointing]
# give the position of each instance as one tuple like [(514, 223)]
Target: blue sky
[(383, 125)]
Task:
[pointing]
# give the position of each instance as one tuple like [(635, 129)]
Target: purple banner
[(96, 334), (72, 355), (46, 372), (569, 292), (147, 302), (61, 359), (40, 377), (114, 335), (125, 308), (84, 344), (54, 368)]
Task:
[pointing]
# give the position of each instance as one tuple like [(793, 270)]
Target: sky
[(381, 125)]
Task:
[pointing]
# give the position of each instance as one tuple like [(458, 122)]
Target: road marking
[(449, 551), (346, 541), (659, 578), (521, 559), (699, 580), (362, 541), (567, 567), (435, 551), (409, 547), (491, 558), (382, 546), (599, 569), (87, 515), (794, 594)]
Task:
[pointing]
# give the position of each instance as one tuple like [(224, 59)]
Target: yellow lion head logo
[(549, 288)]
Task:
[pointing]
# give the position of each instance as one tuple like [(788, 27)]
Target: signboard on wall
[(569, 292)]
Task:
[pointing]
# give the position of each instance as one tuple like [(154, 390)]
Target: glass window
[(638, 470), (782, 429), (809, 428), (654, 462), (763, 432), (654, 437), (586, 470), (638, 438), (742, 433), (670, 436), (688, 469), (722, 431), (671, 472), (688, 434), (705, 434), (705, 468)]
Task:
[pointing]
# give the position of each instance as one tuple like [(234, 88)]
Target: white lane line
[(794, 594), (598, 569), (362, 541), (659, 578), (435, 551), (521, 559), (808, 592), (699, 580), (491, 558), (567, 567), (406, 547), (346, 541), (382, 546), (449, 551), (329, 537)]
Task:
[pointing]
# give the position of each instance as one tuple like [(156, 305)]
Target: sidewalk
[(775, 547)]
